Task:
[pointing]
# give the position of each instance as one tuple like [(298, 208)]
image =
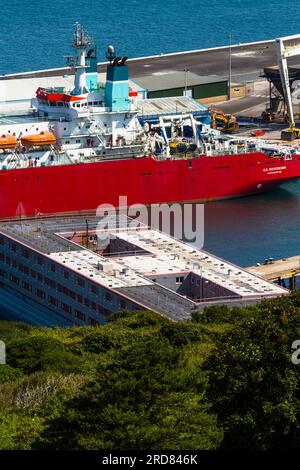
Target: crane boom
[(284, 51)]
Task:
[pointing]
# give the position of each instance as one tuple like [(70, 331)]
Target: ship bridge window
[(78, 105), (60, 104)]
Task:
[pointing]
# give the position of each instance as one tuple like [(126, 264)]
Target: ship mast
[(80, 43)]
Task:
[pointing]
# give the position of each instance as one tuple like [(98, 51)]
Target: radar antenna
[(80, 39)]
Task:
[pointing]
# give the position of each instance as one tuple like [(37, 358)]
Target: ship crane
[(284, 51)]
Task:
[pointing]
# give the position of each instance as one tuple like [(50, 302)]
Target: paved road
[(247, 61), (242, 104), (283, 268)]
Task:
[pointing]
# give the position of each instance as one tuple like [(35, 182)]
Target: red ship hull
[(83, 187)]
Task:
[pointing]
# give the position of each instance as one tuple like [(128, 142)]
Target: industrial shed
[(166, 84)]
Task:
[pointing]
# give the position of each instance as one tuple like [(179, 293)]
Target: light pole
[(186, 71), (230, 66)]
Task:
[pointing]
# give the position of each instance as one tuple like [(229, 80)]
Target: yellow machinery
[(268, 115), (224, 122)]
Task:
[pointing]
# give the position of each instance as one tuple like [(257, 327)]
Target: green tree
[(144, 398), (253, 383), (38, 353)]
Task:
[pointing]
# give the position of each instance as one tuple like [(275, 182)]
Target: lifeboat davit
[(36, 140), (8, 142)]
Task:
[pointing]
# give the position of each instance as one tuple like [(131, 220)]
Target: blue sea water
[(36, 34)]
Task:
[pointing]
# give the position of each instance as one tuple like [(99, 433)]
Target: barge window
[(52, 300), (80, 315), (50, 282), (94, 289), (66, 308), (25, 253), (80, 282), (53, 267), (103, 310), (15, 279), (27, 286), (40, 293)]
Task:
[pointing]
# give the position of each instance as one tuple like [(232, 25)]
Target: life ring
[(147, 127)]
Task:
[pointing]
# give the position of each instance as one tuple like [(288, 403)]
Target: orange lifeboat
[(8, 142), (36, 140)]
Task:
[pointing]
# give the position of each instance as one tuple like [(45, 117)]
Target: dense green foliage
[(223, 380)]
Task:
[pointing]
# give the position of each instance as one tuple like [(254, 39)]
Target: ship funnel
[(117, 88)]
